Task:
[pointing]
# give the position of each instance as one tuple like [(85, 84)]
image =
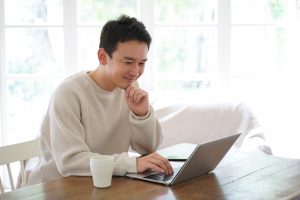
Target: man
[(103, 112)]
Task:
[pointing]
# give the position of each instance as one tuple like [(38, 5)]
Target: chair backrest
[(18, 153)]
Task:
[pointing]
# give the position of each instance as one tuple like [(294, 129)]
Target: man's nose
[(134, 70)]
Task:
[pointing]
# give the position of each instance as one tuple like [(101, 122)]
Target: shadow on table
[(203, 187)]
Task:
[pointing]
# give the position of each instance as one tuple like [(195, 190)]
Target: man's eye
[(142, 64), (128, 63)]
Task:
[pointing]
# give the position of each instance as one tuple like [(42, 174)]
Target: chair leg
[(1, 187), (23, 175), (12, 185)]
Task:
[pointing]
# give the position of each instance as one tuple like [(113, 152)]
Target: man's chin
[(124, 86)]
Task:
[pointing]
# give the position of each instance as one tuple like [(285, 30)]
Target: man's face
[(127, 63)]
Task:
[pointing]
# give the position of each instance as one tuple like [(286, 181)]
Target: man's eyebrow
[(129, 58)]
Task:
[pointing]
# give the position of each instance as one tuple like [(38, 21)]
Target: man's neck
[(98, 75)]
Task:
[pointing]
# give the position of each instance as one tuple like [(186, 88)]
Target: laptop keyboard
[(161, 176)]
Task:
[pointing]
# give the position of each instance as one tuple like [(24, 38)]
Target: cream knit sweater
[(83, 120)]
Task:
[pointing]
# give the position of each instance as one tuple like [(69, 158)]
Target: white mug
[(102, 170)]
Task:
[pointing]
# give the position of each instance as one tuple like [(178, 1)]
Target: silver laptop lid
[(204, 158)]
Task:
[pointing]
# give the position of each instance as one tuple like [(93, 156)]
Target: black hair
[(123, 29)]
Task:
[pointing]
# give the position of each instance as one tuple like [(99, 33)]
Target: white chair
[(17, 153)]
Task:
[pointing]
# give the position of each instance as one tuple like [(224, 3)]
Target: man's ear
[(102, 56)]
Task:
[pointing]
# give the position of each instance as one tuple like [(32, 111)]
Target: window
[(185, 44), (264, 68), (91, 15), (32, 64), (265, 47), (197, 45), (44, 41), (275, 29)]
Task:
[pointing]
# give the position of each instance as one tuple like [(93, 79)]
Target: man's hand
[(154, 162), (137, 101)]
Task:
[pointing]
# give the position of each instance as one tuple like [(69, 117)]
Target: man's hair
[(123, 29)]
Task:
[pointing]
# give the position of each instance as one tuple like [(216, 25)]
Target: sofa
[(202, 122)]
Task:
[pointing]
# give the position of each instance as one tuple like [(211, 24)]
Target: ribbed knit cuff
[(141, 120), (134, 116), (130, 165)]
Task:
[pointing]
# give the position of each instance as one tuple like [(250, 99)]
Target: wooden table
[(239, 176)]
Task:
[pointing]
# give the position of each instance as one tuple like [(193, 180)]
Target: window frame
[(146, 14)]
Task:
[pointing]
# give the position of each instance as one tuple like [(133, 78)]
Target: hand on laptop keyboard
[(154, 162)]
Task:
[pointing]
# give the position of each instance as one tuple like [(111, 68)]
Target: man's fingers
[(165, 162), (138, 95), (134, 94), (155, 168), (128, 91), (137, 100), (162, 163)]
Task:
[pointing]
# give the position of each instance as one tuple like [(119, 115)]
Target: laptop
[(203, 159)]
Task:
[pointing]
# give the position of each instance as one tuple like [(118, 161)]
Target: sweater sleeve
[(67, 139), (146, 132)]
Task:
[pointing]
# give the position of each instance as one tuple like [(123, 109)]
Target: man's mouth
[(129, 79)]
